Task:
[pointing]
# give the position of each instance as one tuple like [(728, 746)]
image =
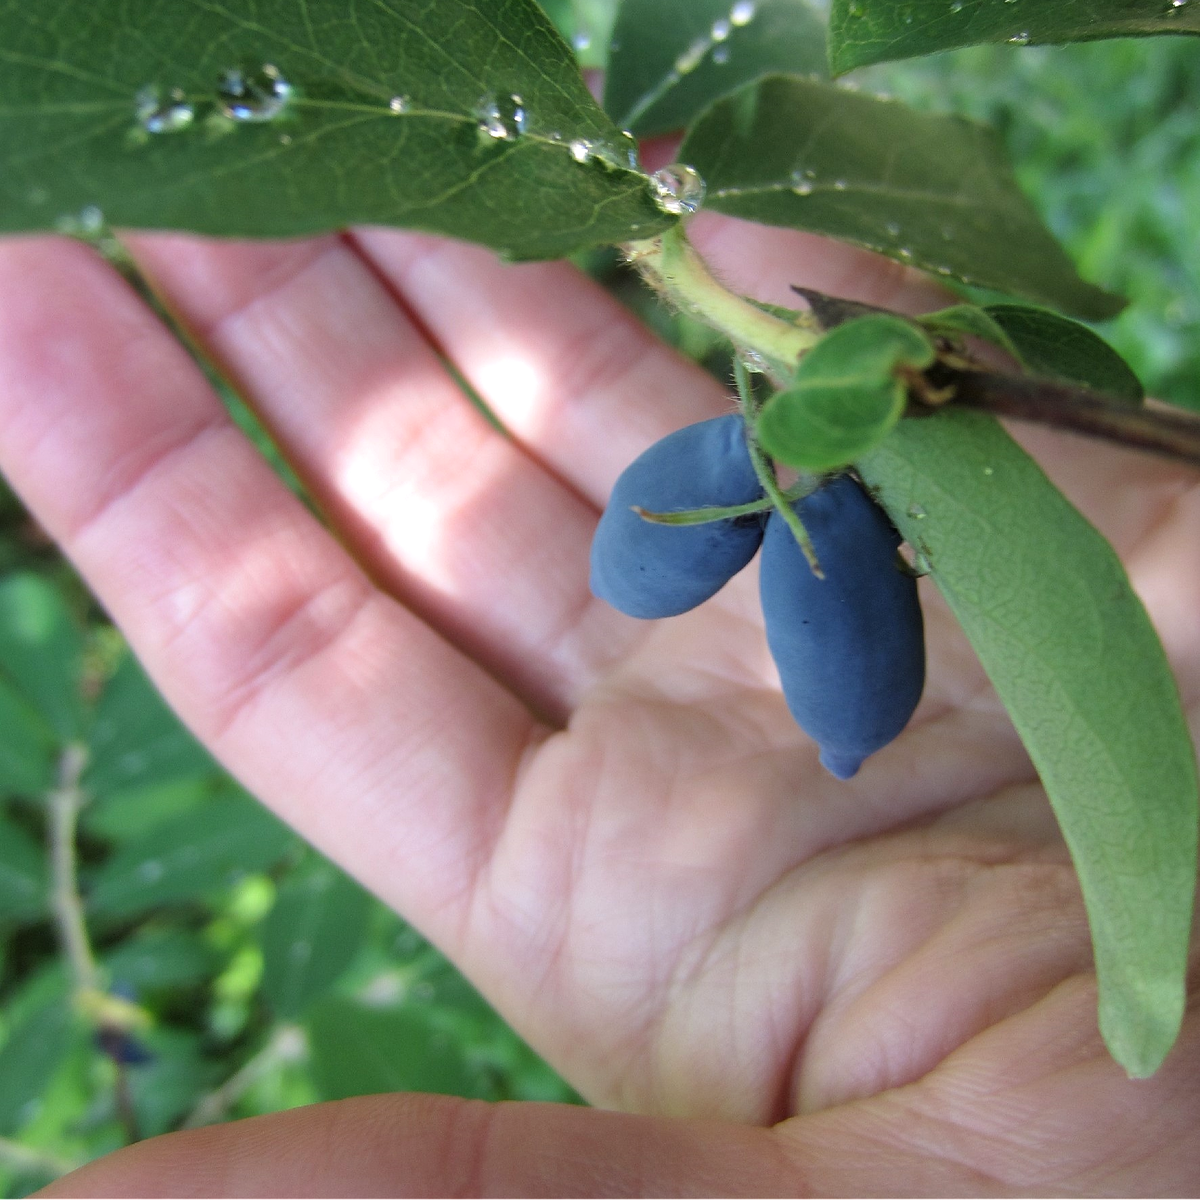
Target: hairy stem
[(672, 267)]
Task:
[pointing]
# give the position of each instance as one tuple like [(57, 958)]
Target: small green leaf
[(311, 936), (126, 815), (162, 957), (167, 1087), (847, 395), (27, 747), (672, 58), (41, 645), (29, 1058), (24, 885), (971, 320), (1073, 656), (202, 851), (358, 1051), (929, 190), (1063, 349), (456, 118), (136, 740), (870, 31)]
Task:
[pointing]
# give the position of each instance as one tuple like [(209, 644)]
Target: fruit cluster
[(850, 647)]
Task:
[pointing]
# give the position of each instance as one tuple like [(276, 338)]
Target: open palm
[(613, 827)]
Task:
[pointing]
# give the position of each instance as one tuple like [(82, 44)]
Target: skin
[(778, 983)]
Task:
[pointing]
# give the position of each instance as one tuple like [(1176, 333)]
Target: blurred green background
[(247, 972)]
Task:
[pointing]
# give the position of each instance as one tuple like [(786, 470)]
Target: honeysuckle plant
[(472, 119)]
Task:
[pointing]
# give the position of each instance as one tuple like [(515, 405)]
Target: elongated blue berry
[(651, 571), (850, 648)]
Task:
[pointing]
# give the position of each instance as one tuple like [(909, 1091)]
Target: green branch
[(673, 268)]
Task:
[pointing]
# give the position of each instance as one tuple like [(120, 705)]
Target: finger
[(318, 692), (447, 514), (573, 374)]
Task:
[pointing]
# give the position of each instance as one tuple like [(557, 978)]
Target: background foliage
[(271, 979)]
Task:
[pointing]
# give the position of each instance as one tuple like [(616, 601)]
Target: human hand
[(614, 828)]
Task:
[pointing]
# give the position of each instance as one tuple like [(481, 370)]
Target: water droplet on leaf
[(502, 119), (156, 115), (721, 30), (255, 96), (678, 189), (1020, 39), (399, 104), (581, 150), (582, 41), (917, 512), (721, 55)]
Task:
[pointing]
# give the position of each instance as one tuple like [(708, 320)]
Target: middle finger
[(452, 517)]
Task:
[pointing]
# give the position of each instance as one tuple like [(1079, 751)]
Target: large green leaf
[(198, 852), (869, 31), (670, 59), (136, 740), (24, 885), (929, 190), (41, 645), (358, 1051), (384, 110), (311, 936), (1071, 652)]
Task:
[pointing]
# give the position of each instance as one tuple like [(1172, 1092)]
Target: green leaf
[(971, 320), (1072, 654), (587, 25), (671, 59), (1047, 344), (29, 1058), (165, 957), (184, 859), (41, 646), (847, 395), (1063, 349), (312, 934), (27, 747), (166, 1088), (136, 740), (383, 123), (125, 815), (359, 1051), (24, 884), (870, 31), (928, 190)]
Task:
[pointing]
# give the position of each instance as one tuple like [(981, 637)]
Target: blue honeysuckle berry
[(652, 571), (850, 648)]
